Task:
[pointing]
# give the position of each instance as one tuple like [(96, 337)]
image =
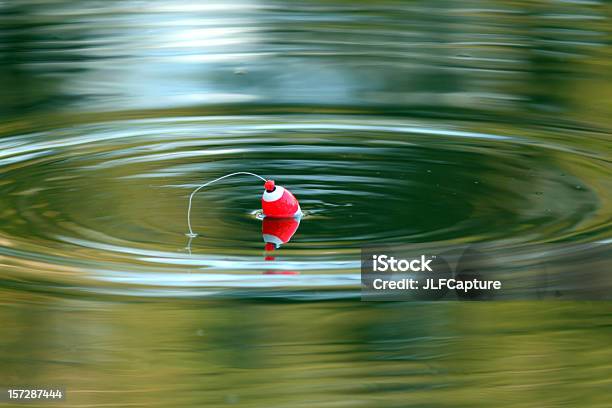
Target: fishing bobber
[(278, 202)]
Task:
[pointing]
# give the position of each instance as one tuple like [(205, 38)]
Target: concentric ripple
[(102, 206)]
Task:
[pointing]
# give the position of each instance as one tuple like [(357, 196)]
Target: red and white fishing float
[(277, 203)]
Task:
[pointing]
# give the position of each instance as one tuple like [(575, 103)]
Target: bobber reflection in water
[(276, 232)]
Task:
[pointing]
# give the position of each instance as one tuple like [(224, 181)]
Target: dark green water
[(392, 122)]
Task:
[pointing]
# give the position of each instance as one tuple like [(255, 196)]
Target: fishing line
[(191, 234)]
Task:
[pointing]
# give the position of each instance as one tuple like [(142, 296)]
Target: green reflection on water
[(318, 354)]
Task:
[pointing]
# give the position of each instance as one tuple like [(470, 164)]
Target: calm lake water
[(392, 122)]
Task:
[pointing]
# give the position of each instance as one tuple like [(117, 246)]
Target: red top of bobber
[(269, 186)]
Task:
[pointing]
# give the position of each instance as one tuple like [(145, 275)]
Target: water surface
[(392, 122)]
